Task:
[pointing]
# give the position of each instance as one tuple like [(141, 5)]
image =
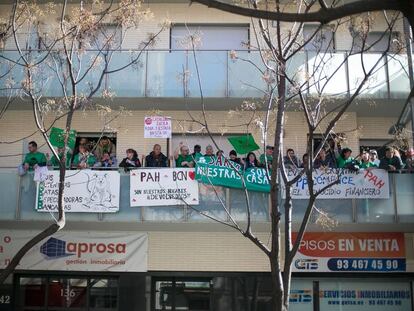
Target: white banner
[(85, 191), (157, 127), (363, 184), (167, 186), (78, 251)]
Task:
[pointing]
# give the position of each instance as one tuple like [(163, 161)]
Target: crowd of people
[(103, 155)]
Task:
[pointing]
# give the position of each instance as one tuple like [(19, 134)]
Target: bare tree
[(66, 49), (307, 89)]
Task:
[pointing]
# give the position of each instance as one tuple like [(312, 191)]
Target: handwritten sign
[(363, 184), (157, 127), (86, 191), (168, 186)]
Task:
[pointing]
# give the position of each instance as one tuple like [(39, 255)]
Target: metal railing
[(172, 74), (19, 195)]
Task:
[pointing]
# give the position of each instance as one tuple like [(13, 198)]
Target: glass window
[(210, 37), (32, 292), (322, 40), (362, 295), (68, 293), (103, 294), (301, 295)]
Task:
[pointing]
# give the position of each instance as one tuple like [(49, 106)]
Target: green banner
[(57, 136), (219, 171)]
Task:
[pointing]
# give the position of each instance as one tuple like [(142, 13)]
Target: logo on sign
[(300, 296), (54, 248), (306, 264)]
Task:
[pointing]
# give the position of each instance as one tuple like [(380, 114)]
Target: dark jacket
[(152, 161), (126, 163), (394, 161)]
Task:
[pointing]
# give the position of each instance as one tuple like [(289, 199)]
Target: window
[(212, 37), (320, 41), (380, 41)]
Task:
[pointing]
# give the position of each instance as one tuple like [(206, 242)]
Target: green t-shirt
[(182, 159), (55, 162), (35, 158), (341, 162), (268, 157), (367, 164), (90, 160)]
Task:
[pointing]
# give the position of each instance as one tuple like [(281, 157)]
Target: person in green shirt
[(33, 158), (182, 157), (345, 160), (267, 157), (54, 161), (84, 158), (365, 161)]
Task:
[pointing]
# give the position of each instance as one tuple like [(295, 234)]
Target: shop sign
[(86, 191), (351, 252), (78, 251), (369, 295), (166, 186), (157, 127)]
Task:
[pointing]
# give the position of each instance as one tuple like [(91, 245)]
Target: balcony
[(18, 203), (172, 74)]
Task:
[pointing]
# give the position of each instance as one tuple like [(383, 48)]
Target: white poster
[(362, 184), (85, 191), (78, 251), (167, 186), (157, 127)]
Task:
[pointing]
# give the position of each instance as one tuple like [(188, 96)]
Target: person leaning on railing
[(33, 158), (156, 158), (391, 161), (182, 156), (83, 159), (409, 160), (131, 161)]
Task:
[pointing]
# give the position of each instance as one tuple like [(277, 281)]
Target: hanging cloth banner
[(219, 171)]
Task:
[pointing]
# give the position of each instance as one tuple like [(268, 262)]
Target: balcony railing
[(18, 203), (172, 74)]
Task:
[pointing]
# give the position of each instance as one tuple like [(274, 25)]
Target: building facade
[(172, 257)]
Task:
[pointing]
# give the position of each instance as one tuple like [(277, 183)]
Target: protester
[(106, 161), (305, 160), (267, 157), (33, 159), (251, 161), (290, 160), (197, 152), (365, 161), (131, 160), (409, 160), (333, 148), (345, 160), (391, 161), (233, 157), (182, 157), (323, 161), (209, 151), (104, 145), (83, 159), (156, 158), (55, 162), (374, 157), (219, 153)]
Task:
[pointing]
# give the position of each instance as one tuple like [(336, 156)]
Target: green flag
[(243, 144), (57, 136)]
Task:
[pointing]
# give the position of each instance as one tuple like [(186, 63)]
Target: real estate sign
[(78, 251), (351, 252)]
